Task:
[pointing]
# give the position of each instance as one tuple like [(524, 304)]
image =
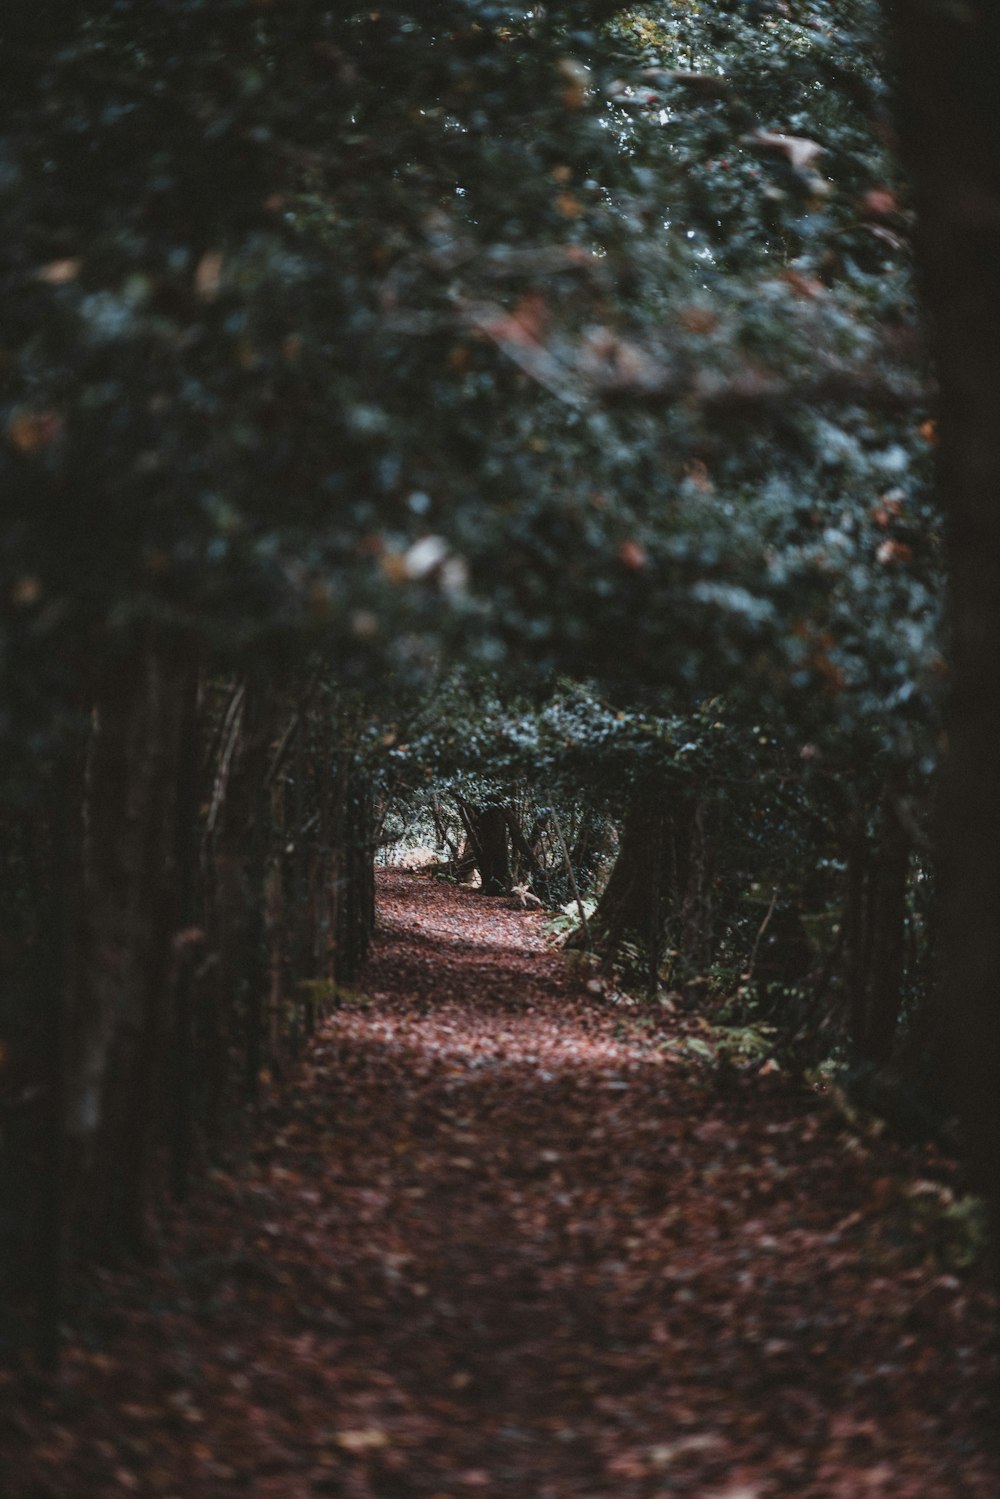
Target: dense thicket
[(345, 347)]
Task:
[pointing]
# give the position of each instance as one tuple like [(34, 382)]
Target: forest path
[(492, 1243)]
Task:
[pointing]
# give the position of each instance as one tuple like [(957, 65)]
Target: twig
[(233, 724), (760, 932)]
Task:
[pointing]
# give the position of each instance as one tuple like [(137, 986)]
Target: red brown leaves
[(633, 555), (492, 1240), (31, 432)]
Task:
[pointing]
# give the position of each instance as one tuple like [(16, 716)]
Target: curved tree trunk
[(631, 906)]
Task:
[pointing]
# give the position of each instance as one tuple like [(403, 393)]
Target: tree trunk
[(888, 962), (55, 970), (237, 846), (356, 908), (950, 121), (631, 906), (187, 946), (487, 830), (856, 926), (875, 933), (119, 1031)]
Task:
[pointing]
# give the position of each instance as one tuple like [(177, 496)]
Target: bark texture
[(950, 120), (201, 883)]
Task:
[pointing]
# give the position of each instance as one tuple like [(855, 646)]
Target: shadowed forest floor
[(491, 1242)]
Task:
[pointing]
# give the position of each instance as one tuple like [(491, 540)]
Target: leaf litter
[(485, 1244)]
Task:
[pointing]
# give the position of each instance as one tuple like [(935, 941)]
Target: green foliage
[(558, 928), (408, 327), (467, 406), (448, 345), (957, 1226)]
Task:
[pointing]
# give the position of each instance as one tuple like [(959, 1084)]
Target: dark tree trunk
[(117, 1036), (888, 960), (855, 927), (55, 969), (950, 120), (631, 906), (487, 831), (875, 933), (187, 948), (356, 909), (493, 855)]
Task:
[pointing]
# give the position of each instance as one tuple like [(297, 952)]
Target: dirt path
[(489, 1247)]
